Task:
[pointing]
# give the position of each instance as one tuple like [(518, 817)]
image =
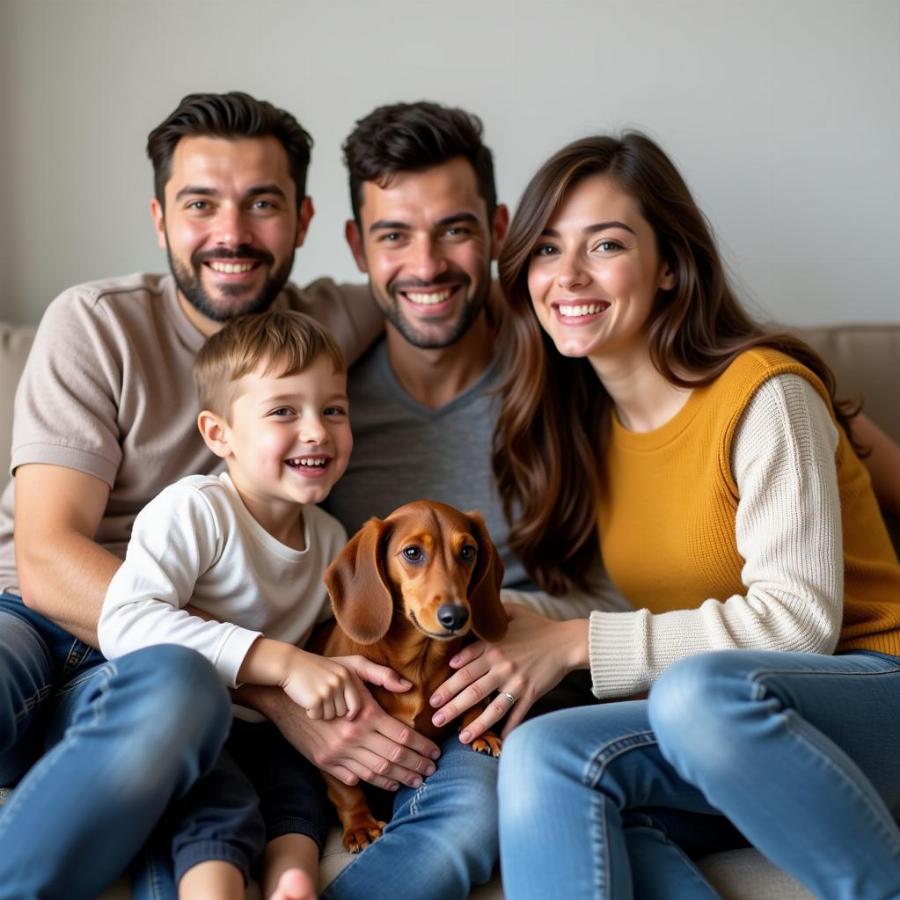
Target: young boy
[(231, 566)]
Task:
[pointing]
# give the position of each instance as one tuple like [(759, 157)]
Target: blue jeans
[(115, 743), (259, 789), (799, 751), (441, 840)]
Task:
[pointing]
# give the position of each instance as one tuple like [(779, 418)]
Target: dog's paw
[(488, 744), (359, 837)]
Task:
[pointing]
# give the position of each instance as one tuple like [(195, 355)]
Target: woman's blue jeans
[(800, 752), (111, 743)]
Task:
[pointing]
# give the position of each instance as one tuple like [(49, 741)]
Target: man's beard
[(471, 309), (190, 283)]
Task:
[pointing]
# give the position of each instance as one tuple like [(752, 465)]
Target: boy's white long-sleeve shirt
[(196, 543)]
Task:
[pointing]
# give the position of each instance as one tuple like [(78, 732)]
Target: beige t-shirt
[(107, 390)]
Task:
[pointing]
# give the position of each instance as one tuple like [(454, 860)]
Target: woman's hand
[(530, 660)]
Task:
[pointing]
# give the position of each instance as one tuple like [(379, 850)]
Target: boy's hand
[(323, 687), (374, 673)]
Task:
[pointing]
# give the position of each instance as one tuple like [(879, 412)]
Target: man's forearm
[(266, 700), (65, 579)]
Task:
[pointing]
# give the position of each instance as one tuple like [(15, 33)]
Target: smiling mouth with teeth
[(308, 462), (432, 298), (578, 311), (226, 268)]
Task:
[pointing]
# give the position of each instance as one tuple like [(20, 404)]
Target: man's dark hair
[(231, 115), (411, 137)]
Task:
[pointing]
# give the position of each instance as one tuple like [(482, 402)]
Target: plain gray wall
[(784, 116)]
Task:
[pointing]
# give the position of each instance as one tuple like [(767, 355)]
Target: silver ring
[(508, 696)]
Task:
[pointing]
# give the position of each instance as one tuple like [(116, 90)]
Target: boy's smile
[(289, 441)]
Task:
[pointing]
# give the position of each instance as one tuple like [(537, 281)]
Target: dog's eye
[(468, 553), (413, 554)]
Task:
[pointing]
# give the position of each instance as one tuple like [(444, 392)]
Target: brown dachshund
[(408, 591)]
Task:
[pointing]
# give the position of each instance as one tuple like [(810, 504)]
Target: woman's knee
[(525, 754), (696, 707)]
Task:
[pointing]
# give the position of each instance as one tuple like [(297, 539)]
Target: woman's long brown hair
[(549, 440)]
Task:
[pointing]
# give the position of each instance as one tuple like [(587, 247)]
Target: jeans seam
[(597, 764), (591, 776), (414, 800), (756, 674), (345, 872), (73, 657), (19, 796), (81, 677), (36, 698), (156, 874), (602, 837), (760, 688)]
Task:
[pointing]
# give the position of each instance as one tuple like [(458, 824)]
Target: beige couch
[(864, 358)]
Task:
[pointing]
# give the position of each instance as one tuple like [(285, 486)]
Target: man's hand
[(374, 747), (533, 657)]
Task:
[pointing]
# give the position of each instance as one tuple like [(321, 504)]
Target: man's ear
[(159, 222), (355, 242), (499, 225), (214, 431), (304, 217)]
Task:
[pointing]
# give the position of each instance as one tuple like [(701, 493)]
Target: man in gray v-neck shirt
[(405, 450), (426, 227)]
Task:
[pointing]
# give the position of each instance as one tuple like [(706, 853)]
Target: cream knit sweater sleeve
[(788, 529)]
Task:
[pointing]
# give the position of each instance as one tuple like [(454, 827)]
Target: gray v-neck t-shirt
[(404, 451)]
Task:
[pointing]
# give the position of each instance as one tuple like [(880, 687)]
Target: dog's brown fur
[(386, 605)]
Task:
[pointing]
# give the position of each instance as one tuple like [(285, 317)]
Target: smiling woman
[(595, 274), (642, 406)]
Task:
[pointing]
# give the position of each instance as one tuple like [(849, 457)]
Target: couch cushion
[(863, 359), (15, 341)]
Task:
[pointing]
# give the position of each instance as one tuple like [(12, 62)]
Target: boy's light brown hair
[(284, 341)]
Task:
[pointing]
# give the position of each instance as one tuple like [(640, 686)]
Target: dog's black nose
[(452, 617)]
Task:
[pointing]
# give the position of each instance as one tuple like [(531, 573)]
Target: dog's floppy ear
[(358, 585), (489, 618)]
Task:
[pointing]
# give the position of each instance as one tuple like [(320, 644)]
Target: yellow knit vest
[(667, 510)]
